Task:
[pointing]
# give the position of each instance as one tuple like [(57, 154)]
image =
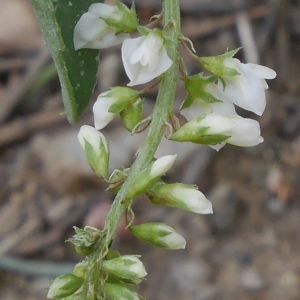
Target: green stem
[(161, 113)]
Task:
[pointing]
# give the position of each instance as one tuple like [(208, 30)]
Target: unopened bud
[(182, 196), (159, 234), (118, 292), (127, 267), (96, 148), (64, 286), (148, 177)]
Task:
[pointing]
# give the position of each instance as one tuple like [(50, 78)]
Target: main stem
[(161, 113)]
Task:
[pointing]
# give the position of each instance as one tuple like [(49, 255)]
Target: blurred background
[(247, 250)]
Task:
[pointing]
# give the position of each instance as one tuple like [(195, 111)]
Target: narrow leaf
[(77, 70)]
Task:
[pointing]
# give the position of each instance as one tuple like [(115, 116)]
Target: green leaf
[(77, 70)]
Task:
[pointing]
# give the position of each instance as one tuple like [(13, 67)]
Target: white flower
[(161, 166), (243, 132), (92, 32), (247, 90), (92, 136), (100, 109), (145, 58)]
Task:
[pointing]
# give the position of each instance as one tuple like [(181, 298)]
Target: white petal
[(92, 136), (103, 10), (193, 199), (246, 133), (139, 49), (92, 32), (101, 114), (128, 48), (88, 29), (262, 71), (217, 124), (162, 165)]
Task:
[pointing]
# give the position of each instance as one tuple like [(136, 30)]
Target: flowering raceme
[(145, 58), (93, 32)]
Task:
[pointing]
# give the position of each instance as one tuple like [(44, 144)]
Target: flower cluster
[(209, 108), (209, 105)]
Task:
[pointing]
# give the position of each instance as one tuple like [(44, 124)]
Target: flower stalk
[(161, 113)]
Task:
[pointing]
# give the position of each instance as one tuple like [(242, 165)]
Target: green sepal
[(128, 23), (216, 65), (98, 163), (196, 88)]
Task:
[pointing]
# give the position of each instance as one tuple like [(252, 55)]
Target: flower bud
[(133, 115), (127, 267), (96, 148), (216, 130), (112, 102), (159, 234), (64, 286), (182, 196), (150, 175), (119, 292)]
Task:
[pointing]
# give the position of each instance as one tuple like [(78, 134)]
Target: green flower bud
[(127, 267), (119, 292), (159, 234), (132, 115), (64, 286), (96, 148), (180, 195), (150, 175)]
